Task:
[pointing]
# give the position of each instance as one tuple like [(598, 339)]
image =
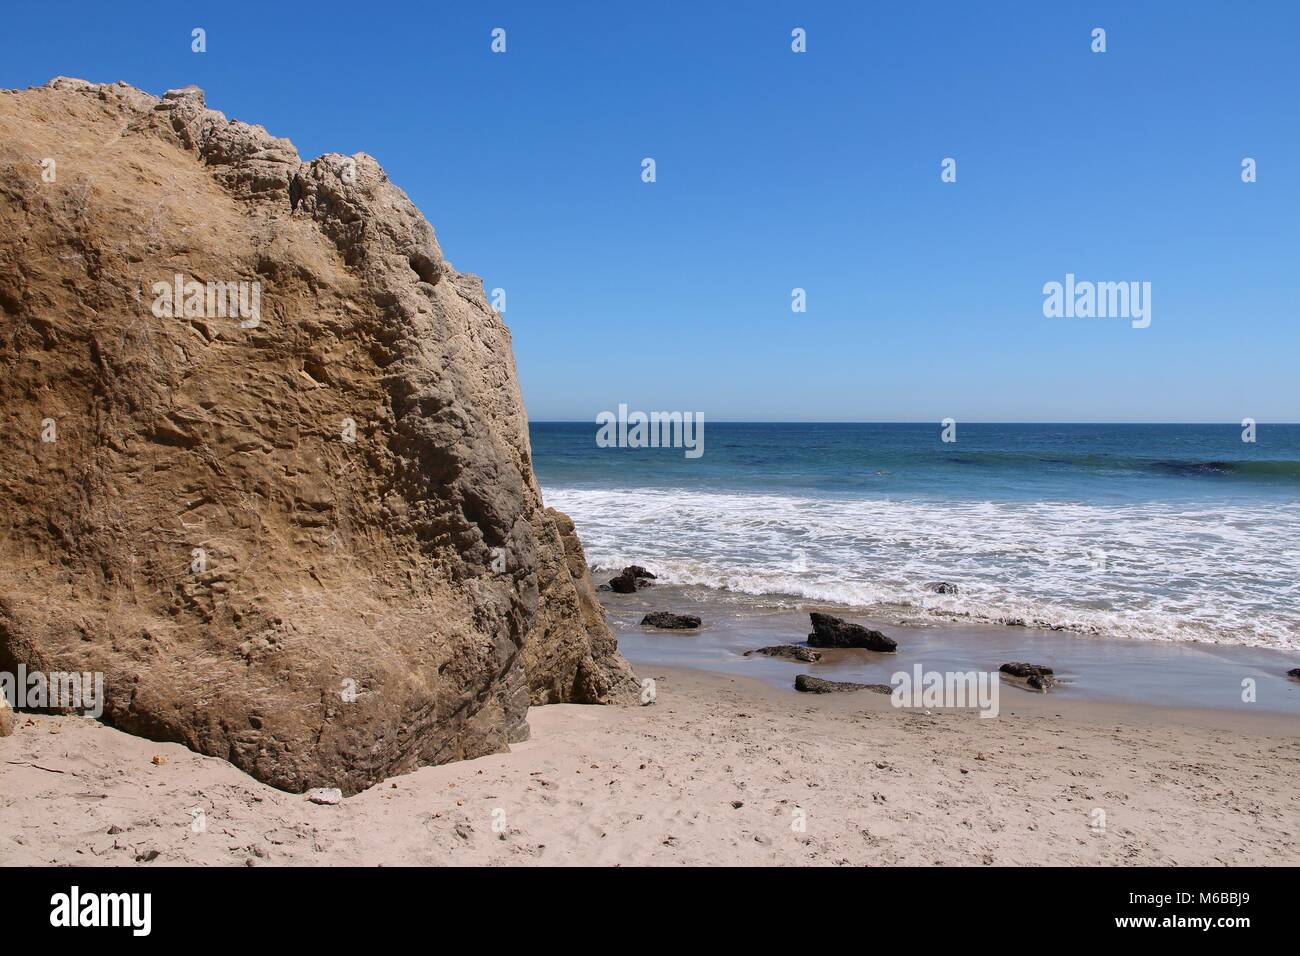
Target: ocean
[(1131, 532)]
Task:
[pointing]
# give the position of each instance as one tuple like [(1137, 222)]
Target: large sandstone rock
[(570, 653), (311, 544)]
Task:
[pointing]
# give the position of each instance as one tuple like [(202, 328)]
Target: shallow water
[(1093, 668)]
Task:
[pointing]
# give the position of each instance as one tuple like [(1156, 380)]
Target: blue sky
[(820, 170)]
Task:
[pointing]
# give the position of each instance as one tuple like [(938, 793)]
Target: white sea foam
[(1147, 571)]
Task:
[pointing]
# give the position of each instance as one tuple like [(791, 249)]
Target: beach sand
[(720, 770)]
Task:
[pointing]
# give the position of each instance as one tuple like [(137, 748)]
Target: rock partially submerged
[(670, 622), (631, 579), (1294, 673), (942, 587), (817, 685), (1034, 676), (307, 537), (830, 631), (793, 652)]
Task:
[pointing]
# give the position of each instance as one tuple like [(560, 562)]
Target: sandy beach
[(720, 770)]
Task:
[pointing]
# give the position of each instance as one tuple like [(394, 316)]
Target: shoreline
[(780, 520), (1171, 674), (718, 771)]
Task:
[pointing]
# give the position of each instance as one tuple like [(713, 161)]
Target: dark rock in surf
[(832, 632), (671, 622), (808, 684), (794, 652), (630, 579), (623, 584), (1034, 676), (1294, 673), (942, 587)]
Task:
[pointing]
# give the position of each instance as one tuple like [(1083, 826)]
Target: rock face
[(832, 632), (266, 462), (571, 655), (816, 685)]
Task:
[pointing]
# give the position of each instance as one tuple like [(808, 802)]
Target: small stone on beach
[(816, 685), (794, 652), (1035, 676)]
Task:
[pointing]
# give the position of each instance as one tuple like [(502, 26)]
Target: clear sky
[(819, 170)]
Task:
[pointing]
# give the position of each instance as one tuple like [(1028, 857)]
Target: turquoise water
[(1159, 532)]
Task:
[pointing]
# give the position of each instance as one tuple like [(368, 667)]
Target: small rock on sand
[(1034, 676), (816, 685), (326, 796), (794, 652)]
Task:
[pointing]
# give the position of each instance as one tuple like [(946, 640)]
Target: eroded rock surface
[(308, 540)]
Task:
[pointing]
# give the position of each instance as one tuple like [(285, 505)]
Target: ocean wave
[(1149, 571)]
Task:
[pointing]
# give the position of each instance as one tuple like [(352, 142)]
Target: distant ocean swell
[(1150, 571), (1259, 469)]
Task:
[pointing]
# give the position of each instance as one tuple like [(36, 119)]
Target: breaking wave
[(1149, 570)]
